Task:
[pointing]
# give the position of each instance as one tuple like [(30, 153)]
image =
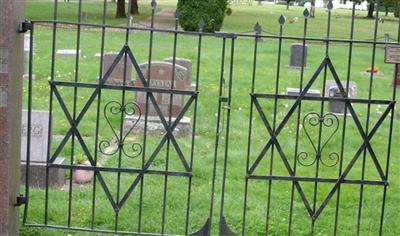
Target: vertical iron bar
[(349, 62), (271, 164), (228, 114), (298, 121), (360, 203), (98, 112), (193, 134), (217, 133), (320, 124), (389, 149), (29, 123), (253, 79), (78, 40), (49, 138), (121, 127), (169, 125), (153, 5)]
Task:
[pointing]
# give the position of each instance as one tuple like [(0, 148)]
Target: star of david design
[(366, 145), (169, 128)]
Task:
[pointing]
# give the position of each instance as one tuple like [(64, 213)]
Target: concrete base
[(37, 174), (154, 125)]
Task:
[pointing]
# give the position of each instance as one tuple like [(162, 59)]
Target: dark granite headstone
[(332, 90), (296, 53)]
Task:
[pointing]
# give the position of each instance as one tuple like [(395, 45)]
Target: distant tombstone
[(117, 76), (161, 75), (38, 151), (310, 92), (68, 52), (296, 55), (84, 16), (185, 63), (27, 40), (332, 90)]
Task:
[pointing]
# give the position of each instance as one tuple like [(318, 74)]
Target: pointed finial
[(177, 14), (201, 25), (153, 4), (306, 13), (282, 20), (330, 5), (258, 28)]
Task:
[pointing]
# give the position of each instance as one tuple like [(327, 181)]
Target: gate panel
[(257, 158)]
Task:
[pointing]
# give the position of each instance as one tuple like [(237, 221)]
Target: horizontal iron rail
[(319, 180), (120, 170), (124, 87), (313, 98), (92, 230), (216, 34)]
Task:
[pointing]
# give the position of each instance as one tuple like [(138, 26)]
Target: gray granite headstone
[(332, 90), (296, 54), (185, 63), (38, 151), (117, 75)]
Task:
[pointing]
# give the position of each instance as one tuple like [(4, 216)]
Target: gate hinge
[(21, 200), (25, 26)]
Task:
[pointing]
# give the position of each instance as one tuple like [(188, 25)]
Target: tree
[(212, 12), (120, 9), (371, 8), (135, 7)]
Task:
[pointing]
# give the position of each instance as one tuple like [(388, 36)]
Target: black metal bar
[(217, 132), (53, 57), (349, 63), (319, 180), (253, 80), (227, 129), (306, 14), (29, 124)]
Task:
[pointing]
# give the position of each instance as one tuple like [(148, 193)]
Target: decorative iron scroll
[(116, 109), (329, 121)]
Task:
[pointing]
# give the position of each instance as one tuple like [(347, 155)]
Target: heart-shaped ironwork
[(327, 121), (115, 108)]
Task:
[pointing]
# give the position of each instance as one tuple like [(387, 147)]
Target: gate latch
[(25, 26), (21, 200)]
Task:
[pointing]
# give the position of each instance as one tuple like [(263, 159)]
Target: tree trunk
[(312, 10), (371, 8), (120, 9), (287, 4), (396, 9), (386, 10), (135, 7)]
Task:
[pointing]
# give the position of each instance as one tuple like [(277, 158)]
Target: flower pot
[(82, 176)]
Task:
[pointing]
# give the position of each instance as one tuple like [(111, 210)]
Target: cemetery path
[(164, 19)]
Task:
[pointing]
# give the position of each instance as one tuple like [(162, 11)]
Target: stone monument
[(296, 54), (38, 152), (332, 90), (161, 75), (117, 76), (185, 63)]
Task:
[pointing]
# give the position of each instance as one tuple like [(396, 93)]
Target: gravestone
[(117, 76), (185, 63), (161, 75), (68, 52), (84, 17), (27, 39), (296, 54), (38, 151), (310, 92), (332, 90)]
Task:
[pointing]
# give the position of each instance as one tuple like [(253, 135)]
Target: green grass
[(242, 20)]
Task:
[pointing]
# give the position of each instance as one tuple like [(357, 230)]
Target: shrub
[(211, 11)]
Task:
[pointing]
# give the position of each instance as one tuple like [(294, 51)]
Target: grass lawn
[(242, 20)]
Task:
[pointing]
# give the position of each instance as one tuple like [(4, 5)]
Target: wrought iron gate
[(292, 140)]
